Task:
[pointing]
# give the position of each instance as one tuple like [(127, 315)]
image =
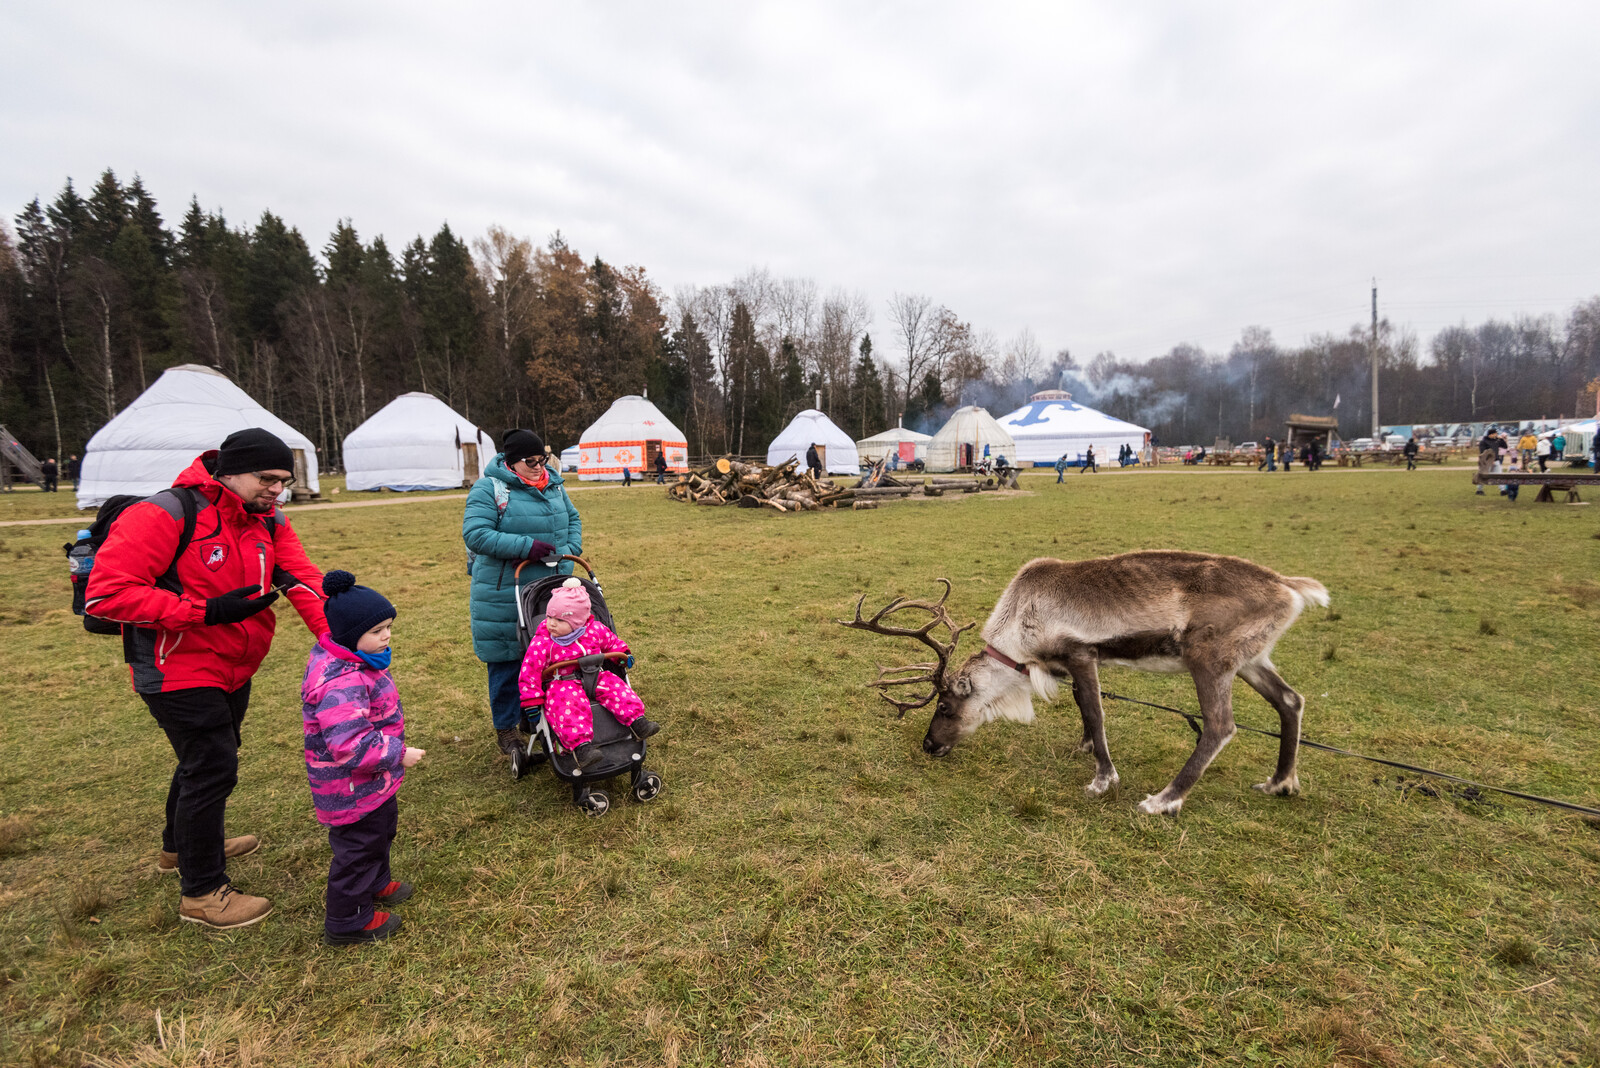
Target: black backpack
[(86, 547)]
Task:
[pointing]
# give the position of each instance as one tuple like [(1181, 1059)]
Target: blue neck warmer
[(378, 661), (570, 638)]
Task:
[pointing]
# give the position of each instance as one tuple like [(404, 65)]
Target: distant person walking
[(813, 461), (1411, 454), (50, 472), (1061, 469), (1269, 458), (1088, 462), (1541, 452), (1526, 446), (661, 468), (72, 470), (627, 476), (1285, 454), (1558, 446)]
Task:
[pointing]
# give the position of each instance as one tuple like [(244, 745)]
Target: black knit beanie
[(254, 449), (352, 610), (520, 445)]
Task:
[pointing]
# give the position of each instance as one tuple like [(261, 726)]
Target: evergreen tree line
[(98, 295)]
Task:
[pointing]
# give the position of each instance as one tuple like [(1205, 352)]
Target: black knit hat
[(520, 445), (352, 610), (254, 449)]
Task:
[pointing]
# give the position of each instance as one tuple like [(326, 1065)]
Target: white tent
[(837, 448), (569, 458), (968, 435), (415, 442), (630, 434), (185, 412), (1051, 425), (894, 441)]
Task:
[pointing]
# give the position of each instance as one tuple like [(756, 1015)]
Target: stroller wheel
[(518, 760), (596, 803), (647, 788)]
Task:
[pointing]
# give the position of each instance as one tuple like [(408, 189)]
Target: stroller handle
[(551, 669), (580, 561)]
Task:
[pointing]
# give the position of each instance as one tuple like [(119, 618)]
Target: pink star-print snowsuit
[(565, 703)]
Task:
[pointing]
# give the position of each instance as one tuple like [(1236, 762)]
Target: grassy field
[(811, 889)]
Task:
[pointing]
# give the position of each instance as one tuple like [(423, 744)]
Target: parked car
[(1361, 444), (1249, 446)]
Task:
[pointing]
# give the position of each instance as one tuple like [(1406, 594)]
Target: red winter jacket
[(170, 647)]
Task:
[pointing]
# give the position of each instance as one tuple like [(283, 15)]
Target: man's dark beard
[(255, 507)]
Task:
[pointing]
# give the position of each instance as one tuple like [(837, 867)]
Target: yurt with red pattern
[(630, 434)]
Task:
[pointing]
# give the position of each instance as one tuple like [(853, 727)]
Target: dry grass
[(811, 889)]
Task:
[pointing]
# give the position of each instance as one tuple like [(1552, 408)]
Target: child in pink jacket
[(356, 754), (567, 632)]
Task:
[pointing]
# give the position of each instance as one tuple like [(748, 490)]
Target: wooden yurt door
[(469, 462), (302, 480), (965, 459), (822, 458), (652, 449)]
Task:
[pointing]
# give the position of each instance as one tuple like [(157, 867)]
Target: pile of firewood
[(785, 488)]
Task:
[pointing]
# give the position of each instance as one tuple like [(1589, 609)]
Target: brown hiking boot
[(224, 908), (509, 738), (242, 846)]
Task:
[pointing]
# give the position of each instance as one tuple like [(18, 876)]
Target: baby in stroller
[(567, 632)]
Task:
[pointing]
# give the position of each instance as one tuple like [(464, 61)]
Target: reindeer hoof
[(1156, 805), (1287, 788), (1101, 785)]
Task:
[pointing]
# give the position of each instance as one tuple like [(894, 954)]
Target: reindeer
[(1212, 616)]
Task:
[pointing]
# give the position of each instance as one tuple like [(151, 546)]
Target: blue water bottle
[(80, 561)]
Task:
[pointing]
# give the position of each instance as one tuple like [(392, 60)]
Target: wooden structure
[(14, 454), (1303, 429), (1547, 481)]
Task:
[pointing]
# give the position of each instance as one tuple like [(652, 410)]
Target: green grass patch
[(810, 888)]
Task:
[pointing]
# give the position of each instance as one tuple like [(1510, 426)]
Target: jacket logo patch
[(215, 555)]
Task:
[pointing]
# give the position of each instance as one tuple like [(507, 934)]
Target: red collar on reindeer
[(991, 651)]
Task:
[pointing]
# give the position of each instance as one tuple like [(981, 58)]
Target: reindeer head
[(980, 690)]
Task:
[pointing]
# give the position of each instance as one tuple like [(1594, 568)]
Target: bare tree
[(927, 334)]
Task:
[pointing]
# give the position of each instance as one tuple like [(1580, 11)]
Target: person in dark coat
[(1411, 454), (1088, 462), (661, 468), (72, 469), (1269, 459), (813, 461), (49, 471)]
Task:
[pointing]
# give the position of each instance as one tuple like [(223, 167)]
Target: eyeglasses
[(268, 481)]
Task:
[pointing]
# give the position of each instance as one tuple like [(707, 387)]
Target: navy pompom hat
[(352, 610)]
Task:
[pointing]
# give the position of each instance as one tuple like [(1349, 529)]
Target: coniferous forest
[(99, 292)]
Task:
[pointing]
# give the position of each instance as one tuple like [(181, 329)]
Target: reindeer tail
[(1307, 591)]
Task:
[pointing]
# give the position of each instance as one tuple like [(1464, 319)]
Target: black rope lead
[(1194, 724)]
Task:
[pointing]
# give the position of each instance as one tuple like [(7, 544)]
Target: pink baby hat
[(570, 602)]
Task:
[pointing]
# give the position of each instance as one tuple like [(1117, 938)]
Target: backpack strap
[(187, 497)]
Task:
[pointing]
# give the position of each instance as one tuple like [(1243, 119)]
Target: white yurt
[(415, 442), (185, 412), (836, 448), (897, 440), (569, 458), (963, 438), (1050, 425), (630, 434)]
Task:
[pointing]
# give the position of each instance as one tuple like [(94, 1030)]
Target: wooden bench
[(1547, 481)]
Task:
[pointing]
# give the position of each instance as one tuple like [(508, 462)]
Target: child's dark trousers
[(360, 867)]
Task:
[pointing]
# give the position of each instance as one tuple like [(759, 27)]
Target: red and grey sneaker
[(381, 926), (392, 894)]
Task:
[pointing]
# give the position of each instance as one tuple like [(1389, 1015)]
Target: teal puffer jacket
[(502, 540)]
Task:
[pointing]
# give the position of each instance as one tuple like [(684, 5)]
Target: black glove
[(236, 606), (540, 550)]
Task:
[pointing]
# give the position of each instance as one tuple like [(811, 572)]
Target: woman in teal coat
[(517, 511)]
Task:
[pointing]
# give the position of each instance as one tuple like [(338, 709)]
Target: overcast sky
[(1122, 176)]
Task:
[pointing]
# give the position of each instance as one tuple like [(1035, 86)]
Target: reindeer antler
[(919, 674)]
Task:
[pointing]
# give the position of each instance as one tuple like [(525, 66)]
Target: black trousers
[(203, 727), (360, 867)]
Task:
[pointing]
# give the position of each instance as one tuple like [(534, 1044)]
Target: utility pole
[(1377, 431)]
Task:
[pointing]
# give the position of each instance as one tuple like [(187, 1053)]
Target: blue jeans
[(505, 700)]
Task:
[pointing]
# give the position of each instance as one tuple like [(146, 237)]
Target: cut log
[(863, 506)]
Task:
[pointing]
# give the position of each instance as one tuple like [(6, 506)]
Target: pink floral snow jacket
[(355, 734), (543, 650)]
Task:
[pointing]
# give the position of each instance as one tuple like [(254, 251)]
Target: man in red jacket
[(195, 633)]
